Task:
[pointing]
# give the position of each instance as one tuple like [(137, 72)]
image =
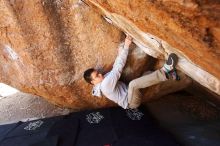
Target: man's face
[(96, 77)]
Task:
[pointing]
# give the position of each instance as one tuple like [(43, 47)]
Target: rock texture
[(189, 28), (46, 45)]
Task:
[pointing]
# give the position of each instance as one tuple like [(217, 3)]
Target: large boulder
[(190, 28), (46, 45)]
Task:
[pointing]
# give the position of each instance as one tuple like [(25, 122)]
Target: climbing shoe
[(170, 63)]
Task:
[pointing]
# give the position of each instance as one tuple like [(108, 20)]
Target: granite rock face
[(45, 45), (190, 28)]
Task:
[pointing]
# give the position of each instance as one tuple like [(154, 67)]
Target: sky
[(6, 90)]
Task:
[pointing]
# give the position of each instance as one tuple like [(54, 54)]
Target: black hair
[(87, 75)]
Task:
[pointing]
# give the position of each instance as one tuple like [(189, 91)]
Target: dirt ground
[(22, 106)]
